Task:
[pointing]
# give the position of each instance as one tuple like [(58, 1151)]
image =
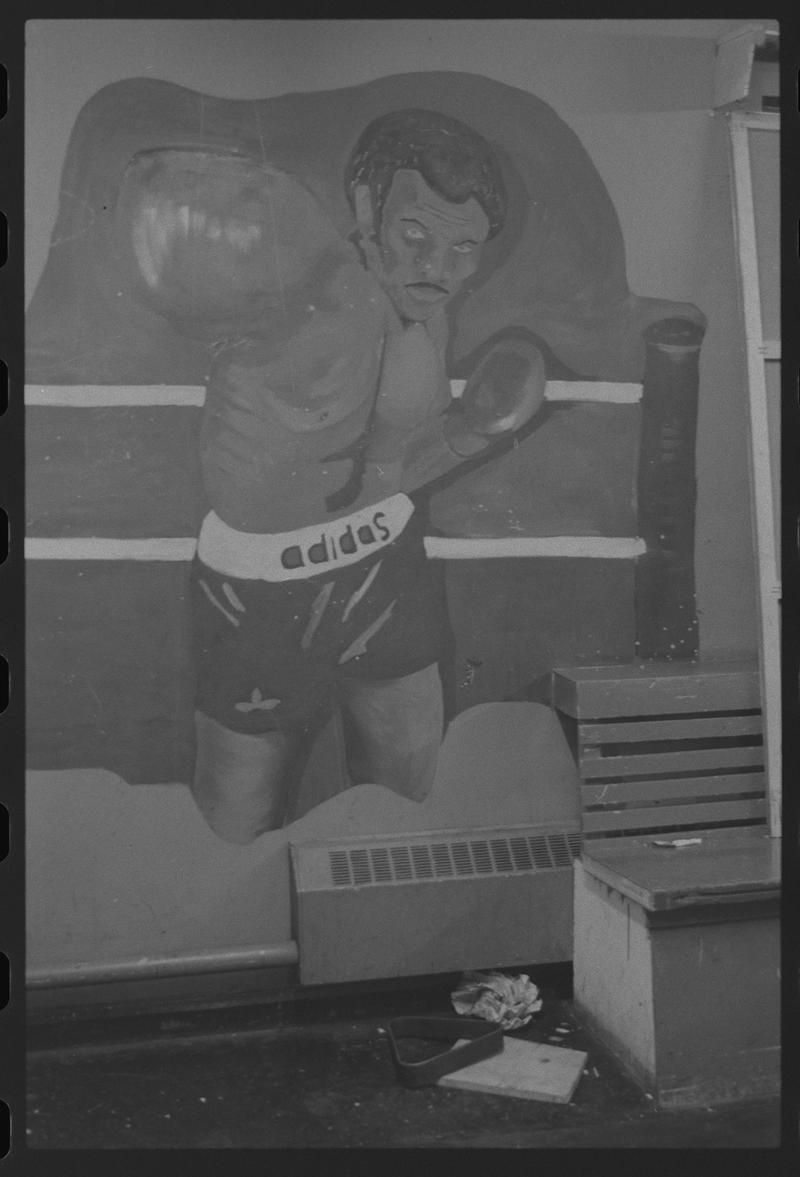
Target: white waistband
[(308, 551)]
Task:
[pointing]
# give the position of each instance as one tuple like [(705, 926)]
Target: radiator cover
[(433, 902)]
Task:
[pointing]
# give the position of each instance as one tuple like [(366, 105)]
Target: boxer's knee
[(240, 781), (412, 776), (226, 818), (408, 770), (394, 732), (230, 826)]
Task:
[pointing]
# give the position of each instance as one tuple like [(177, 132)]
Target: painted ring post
[(664, 594)]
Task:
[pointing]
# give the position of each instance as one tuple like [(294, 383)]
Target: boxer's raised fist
[(505, 390), (214, 237)]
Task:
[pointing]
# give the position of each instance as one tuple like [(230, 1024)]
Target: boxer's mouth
[(427, 291)]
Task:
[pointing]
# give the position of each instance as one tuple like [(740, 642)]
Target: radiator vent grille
[(459, 858)]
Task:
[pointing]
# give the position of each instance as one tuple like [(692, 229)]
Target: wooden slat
[(690, 728), (669, 762), (761, 458), (738, 867), (711, 836), (669, 816), (649, 792), (655, 688)]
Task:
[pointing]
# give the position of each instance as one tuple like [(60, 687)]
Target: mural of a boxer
[(324, 265), (327, 403)]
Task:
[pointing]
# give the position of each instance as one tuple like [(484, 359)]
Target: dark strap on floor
[(485, 1040)]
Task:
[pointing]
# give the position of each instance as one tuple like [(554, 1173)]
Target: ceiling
[(706, 29)]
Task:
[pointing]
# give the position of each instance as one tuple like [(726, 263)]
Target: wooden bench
[(676, 932), (665, 748)]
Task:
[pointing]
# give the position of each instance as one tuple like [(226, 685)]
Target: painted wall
[(115, 871), (118, 872)]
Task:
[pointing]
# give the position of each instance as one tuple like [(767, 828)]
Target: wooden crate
[(676, 947), (665, 748), (677, 965)]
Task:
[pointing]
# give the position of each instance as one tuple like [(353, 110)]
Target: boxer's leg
[(393, 730), (241, 781), (258, 704)]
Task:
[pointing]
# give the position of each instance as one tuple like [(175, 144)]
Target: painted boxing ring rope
[(182, 548)]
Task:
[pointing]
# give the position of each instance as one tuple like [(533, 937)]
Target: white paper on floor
[(527, 1070)]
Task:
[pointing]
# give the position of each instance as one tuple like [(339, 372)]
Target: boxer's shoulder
[(303, 392)]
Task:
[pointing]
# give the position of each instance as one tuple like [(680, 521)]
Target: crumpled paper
[(507, 1001)]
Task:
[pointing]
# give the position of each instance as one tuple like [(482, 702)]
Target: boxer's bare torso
[(327, 363), (279, 415)]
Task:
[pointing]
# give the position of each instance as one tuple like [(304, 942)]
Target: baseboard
[(194, 994), (160, 995)]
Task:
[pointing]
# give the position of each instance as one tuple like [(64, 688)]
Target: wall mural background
[(111, 673), (555, 274)]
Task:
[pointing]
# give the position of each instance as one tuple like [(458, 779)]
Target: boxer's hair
[(455, 161)]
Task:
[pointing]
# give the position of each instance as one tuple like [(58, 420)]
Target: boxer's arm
[(504, 393)]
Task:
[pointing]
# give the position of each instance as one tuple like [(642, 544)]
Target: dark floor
[(318, 1074)]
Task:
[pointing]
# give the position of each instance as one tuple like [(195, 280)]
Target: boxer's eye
[(414, 233), (464, 247)]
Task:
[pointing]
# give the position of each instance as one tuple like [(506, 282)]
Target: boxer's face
[(427, 245)]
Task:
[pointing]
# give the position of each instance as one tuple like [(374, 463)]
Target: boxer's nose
[(434, 265)]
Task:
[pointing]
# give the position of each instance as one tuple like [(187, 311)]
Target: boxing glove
[(219, 242), (504, 391)]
